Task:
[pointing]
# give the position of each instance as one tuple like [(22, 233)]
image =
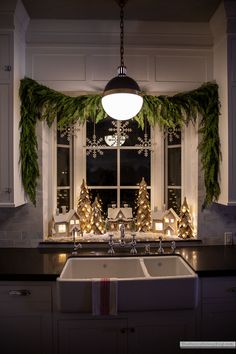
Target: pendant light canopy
[(122, 98)]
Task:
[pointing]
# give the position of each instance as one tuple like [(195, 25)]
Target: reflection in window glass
[(63, 198), (174, 199), (133, 167), (102, 170), (63, 166)]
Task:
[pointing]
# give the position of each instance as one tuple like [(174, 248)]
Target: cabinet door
[(218, 321), (25, 318), (160, 332), (28, 334), (218, 308), (5, 58), (91, 336), (5, 188)]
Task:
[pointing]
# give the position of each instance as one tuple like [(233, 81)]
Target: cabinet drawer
[(18, 298), (219, 288)]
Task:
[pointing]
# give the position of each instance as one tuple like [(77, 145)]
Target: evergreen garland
[(39, 102)]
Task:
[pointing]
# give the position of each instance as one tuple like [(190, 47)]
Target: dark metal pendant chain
[(122, 33)]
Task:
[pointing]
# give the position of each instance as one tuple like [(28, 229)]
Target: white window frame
[(189, 165)]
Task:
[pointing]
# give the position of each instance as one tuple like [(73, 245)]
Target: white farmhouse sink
[(144, 283), (167, 266), (89, 268)]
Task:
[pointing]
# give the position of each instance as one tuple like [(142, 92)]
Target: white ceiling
[(147, 10)]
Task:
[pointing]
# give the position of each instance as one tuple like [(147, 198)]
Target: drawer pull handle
[(23, 292), (232, 290)]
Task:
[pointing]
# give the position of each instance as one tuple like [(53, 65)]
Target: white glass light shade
[(122, 106)]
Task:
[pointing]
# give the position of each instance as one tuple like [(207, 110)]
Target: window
[(118, 155), (113, 156)]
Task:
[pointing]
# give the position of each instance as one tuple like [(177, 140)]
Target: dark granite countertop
[(45, 264)]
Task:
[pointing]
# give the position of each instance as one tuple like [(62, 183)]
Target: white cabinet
[(5, 183), (25, 318), (218, 308), (160, 331), (11, 52), (87, 335), (224, 72), (127, 333), (5, 118)]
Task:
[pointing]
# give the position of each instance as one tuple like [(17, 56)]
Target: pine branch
[(39, 102)]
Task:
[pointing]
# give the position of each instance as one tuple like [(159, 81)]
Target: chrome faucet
[(160, 249), (133, 244)]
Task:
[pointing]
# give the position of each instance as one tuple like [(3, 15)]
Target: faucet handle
[(173, 246), (110, 238), (148, 248)]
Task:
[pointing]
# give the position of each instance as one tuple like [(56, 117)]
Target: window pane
[(62, 139), (102, 170), (133, 167), (107, 196), (110, 131), (174, 167), (134, 134), (174, 199), (63, 198), (174, 136), (129, 196), (63, 167), (101, 128)]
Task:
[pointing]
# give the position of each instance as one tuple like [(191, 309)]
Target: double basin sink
[(143, 283)]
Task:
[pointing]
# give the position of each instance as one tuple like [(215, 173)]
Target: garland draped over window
[(39, 102)]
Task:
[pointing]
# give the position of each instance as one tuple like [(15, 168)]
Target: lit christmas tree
[(97, 220), (185, 227), (143, 211), (84, 208)]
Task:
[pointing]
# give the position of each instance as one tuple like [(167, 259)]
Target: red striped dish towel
[(104, 296)]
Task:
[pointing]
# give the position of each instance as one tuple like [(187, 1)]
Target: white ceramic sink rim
[(171, 266), (118, 265), (143, 268)]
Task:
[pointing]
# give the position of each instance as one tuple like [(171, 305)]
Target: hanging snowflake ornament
[(93, 146), (69, 131), (172, 132), (145, 145), (121, 130)]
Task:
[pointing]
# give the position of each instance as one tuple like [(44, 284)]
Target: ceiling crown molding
[(138, 33)]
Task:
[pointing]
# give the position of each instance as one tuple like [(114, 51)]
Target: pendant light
[(122, 98)]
